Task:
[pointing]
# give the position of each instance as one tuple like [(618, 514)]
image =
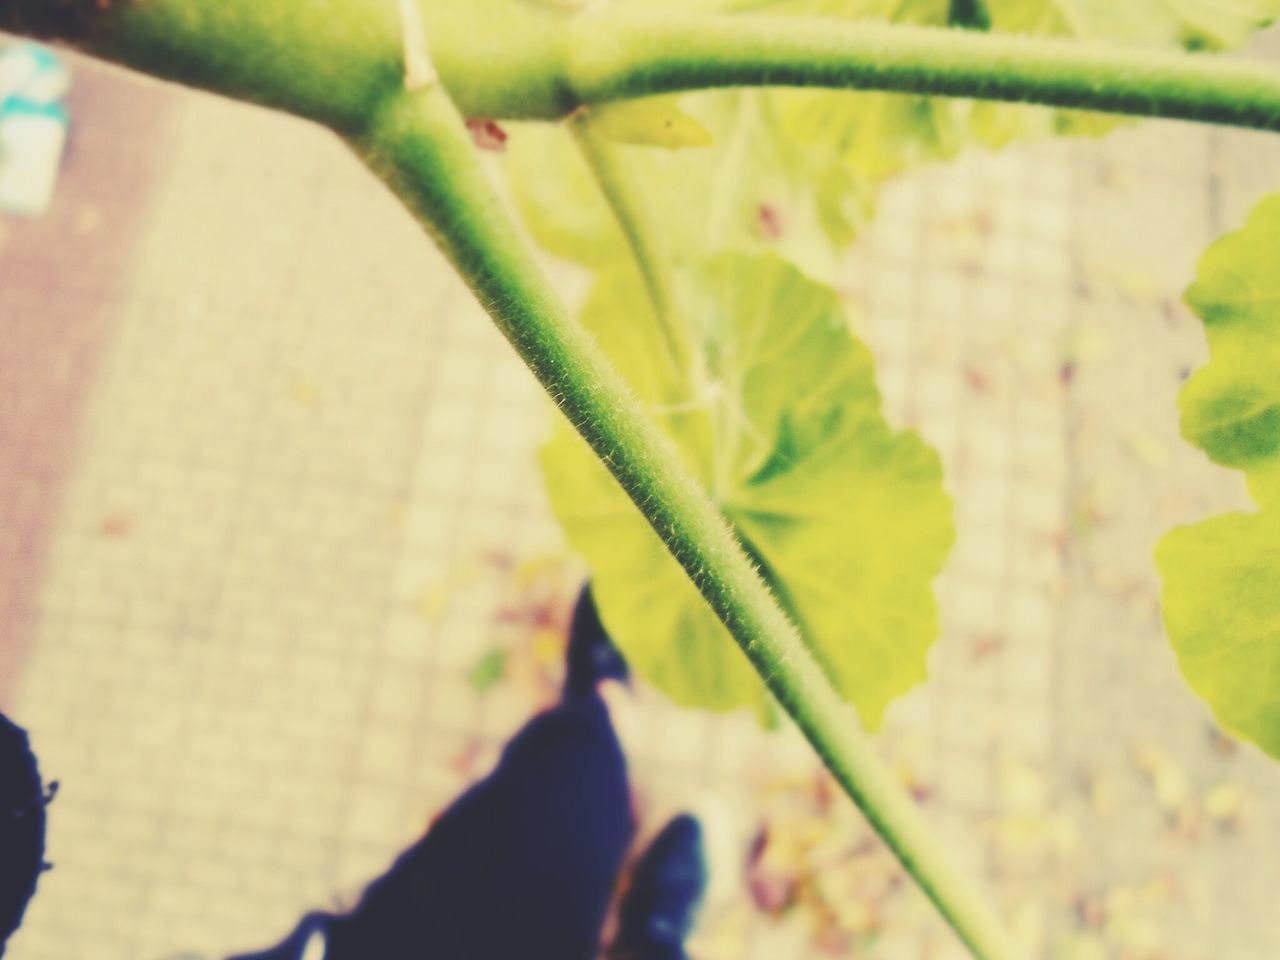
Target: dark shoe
[(591, 656), (659, 908), (520, 867)]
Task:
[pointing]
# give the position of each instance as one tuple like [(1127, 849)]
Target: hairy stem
[(616, 56), (331, 60), (616, 178), (417, 143)]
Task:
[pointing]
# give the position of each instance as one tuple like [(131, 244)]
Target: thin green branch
[(417, 143), (616, 56), (616, 178)]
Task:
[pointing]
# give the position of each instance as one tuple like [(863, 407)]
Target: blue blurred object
[(591, 656), (22, 826), (661, 905), (525, 863), (33, 126), (522, 865)]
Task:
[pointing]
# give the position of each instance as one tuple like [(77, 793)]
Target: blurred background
[(278, 577)]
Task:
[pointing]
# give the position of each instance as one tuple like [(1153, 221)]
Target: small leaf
[(845, 516), (488, 670), (651, 121), (1231, 408)]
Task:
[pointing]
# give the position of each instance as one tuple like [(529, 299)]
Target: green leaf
[(489, 670), (1221, 577), (1231, 408), (651, 122), (783, 425), (1222, 611), (847, 143)]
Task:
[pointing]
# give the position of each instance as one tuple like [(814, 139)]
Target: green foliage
[(1222, 577), (813, 158), (1231, 408), (846, 517), (853, 141), (1222, 610), (787, 173), (1193, 24), (746, 192), (807, 470)]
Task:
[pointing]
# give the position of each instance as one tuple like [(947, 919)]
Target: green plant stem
[(619, 56), (417, 143), (330, 60), (613, 171)]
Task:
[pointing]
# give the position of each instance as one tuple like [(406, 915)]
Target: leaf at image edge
[(1221, 603), (1231, 406)]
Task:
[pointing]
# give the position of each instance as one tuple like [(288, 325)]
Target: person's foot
[(591, 656), (666, 886)]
